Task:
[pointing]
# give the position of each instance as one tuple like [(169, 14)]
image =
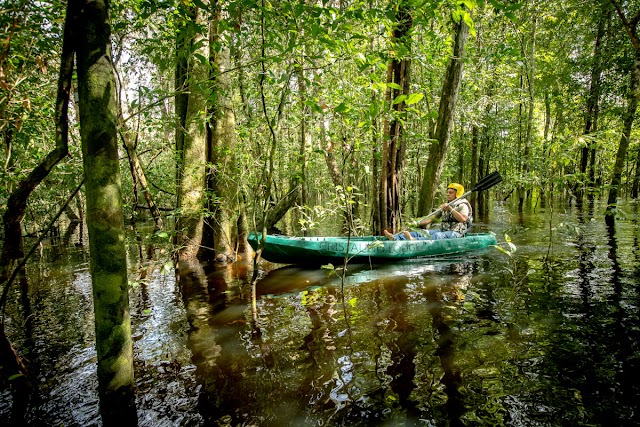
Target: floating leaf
[(503, 250)]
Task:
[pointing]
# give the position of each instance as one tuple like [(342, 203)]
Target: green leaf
[(162, 234), (342, 108), (399, 99), (394, 86), (413, 98), (328, 267), (503, 250), (352, 302), (167, 267)]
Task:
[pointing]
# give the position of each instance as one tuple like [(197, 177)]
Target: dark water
[(547, 336)]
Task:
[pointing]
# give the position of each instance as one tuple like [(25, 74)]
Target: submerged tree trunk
[(394, 145), (528, 141), (191, 136), (105, 220), (439, 147), (629, 115), (223, 191), (593, 101)]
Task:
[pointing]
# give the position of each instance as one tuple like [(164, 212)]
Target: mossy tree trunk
[(192, 72), (631, 25), (105, 220), (593, 103), (223, 191), (439, 147), (394, 145)]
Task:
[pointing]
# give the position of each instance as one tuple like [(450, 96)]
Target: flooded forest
[(150, 148)]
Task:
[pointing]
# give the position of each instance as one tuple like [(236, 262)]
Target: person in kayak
[(455, 221)]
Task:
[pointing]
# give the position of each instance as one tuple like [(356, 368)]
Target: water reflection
[(546, 336), (355, 350)]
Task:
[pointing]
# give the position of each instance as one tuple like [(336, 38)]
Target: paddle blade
[(488, 181)]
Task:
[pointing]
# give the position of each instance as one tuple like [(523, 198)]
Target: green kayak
[(323, 250)]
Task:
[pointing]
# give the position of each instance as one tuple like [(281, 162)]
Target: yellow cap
[(459, 188)]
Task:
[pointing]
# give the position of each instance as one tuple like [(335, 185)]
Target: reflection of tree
[(402, 370), (623, 342), (319, 347), (435, 294), (217, 319)]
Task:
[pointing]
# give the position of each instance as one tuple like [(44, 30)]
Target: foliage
[(325, 72)]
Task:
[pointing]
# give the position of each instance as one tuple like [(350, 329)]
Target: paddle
[(485, 183)]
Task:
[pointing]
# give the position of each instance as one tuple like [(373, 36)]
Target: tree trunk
[(223, 191), (636, 178), (137, 173), (621, 155), (473, 178), (593, 101), (629, 115), (394, 145), (105, 220), (439, 147), (191, 135), (528, 141)]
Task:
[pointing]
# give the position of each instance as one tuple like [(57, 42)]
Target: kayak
[(372, 249)]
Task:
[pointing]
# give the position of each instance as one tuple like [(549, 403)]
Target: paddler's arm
[(457, 215)]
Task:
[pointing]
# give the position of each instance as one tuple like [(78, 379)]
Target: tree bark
[(629, 115), (223, 192), (105, 219), (191, 135), (593, 102), (623, 146), (394, 145), (439, 147), (473, 178), (531, 79)]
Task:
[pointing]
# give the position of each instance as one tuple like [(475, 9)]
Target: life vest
[(449, 223)]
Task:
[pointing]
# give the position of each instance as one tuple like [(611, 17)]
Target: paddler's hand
[(414, 223), (446, 207)]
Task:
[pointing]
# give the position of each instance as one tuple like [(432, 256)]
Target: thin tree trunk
[(439, 147), (593, 101), (473, 179), (629, 115), (528, 141), (636, 178), (394, 145), (621, 155), (105, 219), (137, 173)]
